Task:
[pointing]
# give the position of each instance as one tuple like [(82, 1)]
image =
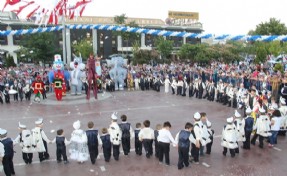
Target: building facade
[(105, 42)]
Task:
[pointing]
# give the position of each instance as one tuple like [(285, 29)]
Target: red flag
[(23, 7), (31, 13), (12, 2), (82, 10)]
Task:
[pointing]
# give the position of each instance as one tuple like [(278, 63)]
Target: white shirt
[(146, 133), (277, 123), (165, 136), (2, 152)]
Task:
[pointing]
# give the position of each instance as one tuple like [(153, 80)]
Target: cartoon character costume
[(58, 69), (38, 87), (58, 86), (77, 75)]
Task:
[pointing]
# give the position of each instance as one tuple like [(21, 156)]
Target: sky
[(218, 17)]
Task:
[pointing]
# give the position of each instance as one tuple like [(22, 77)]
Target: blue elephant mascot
[(58, 69), (77, 75), (118, 73)]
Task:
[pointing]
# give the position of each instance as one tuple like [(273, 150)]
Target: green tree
[(143, 56), (261, 53), (272, 27), (120, 19), (10, 62), (85, 47), (164, 47), (40, 46)]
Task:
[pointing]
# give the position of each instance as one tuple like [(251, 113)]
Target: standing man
[(127, 134), (248, 128), (116, 136), (40, 140), (7, 160)]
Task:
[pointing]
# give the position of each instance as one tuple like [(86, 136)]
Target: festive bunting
[(151, 32)]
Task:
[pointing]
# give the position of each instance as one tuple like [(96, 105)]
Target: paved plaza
[(138, 106)]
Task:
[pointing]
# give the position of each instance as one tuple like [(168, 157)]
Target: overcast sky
[(218, 16)]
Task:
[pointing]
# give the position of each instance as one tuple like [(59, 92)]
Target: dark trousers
[(179, 90), (93, 150), (27, 157), (7, 98), (16, 97), (190, 92), (182, 157), (163, 151), (254, 138), (126, 144), (44, 155), (246, 143), (261, 139), (195, 92), (156, 148), (147, 143), (116, 152), (200, 92), (232, 152), (173, 91), (61, 151), (107, 153), (209, 145), (8, 165), (195, 153), (1, 100), (138, 147)]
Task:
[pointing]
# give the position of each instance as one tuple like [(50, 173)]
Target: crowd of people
[(259, 92)]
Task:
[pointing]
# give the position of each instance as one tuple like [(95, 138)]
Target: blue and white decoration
[(149, 31)]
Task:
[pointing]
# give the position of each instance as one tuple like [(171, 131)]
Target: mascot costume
[(92, 77), (118, 73), (77, 75), (58, 69), (38, 87)]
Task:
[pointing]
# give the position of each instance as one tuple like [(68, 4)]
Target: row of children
[(84, 144)]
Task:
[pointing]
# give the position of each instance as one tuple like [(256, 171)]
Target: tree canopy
[(272, 27), (40, 46)]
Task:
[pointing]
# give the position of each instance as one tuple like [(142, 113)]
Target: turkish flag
[(12, 2)]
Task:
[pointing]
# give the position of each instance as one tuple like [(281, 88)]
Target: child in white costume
[(166, 84), (78, 146)]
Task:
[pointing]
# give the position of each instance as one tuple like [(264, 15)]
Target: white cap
[(22, 126), (114, 117), (262, 110), (248, 110), (77, 125), (39, 121), (237, 114), (282, 101), (7, 85), (229, 120), (196, 116), (208, 124), (3, 132)]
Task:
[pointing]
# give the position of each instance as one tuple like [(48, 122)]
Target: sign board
[(183, 15)]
